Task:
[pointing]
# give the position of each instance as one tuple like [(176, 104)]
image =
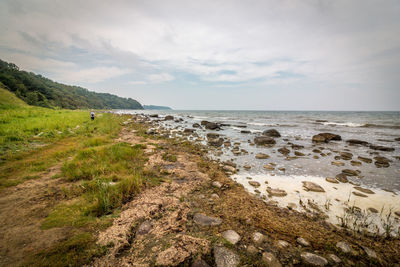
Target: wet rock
[(337, 163), (366, 160), (276, 192), (296, 147), (262, 156), (269, 167), (382, 148), (169, 118), (204, 123), (264, 140), (331, 180), (212, 135), (355, 163), (212, 126), (316, 151), (225, 257), (258, 238), (364, 190), (359, 194), (349, 172), (344, 247), (334, 258), (346, 155), (187, 130), (292, 206), (205, 220), (143, 228), (357, 142), (284, 150), (397, 213), (247, 167), (254, 183), (282, 169), (382, 162), (299, 154), (215, 142), (196, 125), (371, 253), (325, 137), (271, 133), (310, 186), (341, 177), (216, 184), (315, 157), (397, 139), (228, 168), (313, 259), (245, 132), (231, 236), (302, 242), (200, 263), (270, 260)]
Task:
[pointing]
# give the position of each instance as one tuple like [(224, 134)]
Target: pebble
[(331, 180), (313, 259), (231, 236), (302, 242), (258, 238), (262, 156), (254, 183), (310, 186), (337, 163)]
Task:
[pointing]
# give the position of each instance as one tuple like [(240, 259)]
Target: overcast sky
[(264, 55)]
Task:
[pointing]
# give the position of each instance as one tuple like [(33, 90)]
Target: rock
[(313, 259), (225, 257), (334, 258), (364, 190), (264, 140), (254, 183), (346, 155), (216, 184), (284, 150), (296, 147), (282, 244), (382, 148), (292, 206), (382, 162), (269, 167), (205, 220), (196, 125), (341, 177), (357, 142), (397, 213), (302, 242), (337, 163), (262, 156), (359, 194), (372, 210), (276, 192), (212, 135), (204, 123), (252, 249), (258, 238), (151, 131), (215, 142), (200, 263), (331, 180), (212, 126), (271, 133), (228, 168), (270, 260), (214, 196), (366, 160), (169, 118), (355, 163), (315, 157), (344, 247), (187, 130), (316, 150), (370, 252), (143, 228), (299, 154), (245, 132), (282, 169), (231, 236), (397, 139), (325, 137), (310, 186), (247, 167), (349, 172)]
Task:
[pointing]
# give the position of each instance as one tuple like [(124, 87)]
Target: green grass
[(8, 100)]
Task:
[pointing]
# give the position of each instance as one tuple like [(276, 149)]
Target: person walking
[(92, 115)]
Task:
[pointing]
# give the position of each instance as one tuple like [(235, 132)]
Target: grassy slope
[(8, 100)]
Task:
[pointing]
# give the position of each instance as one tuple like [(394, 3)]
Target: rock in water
[(346, 155), (364, 190), (205, 220), (284, 150), (313, 259), (382, 162), (254, 183), (349, 172), (270, 260), (264, 140), (216, 142), (310, 186), (357, 142), (366, 160), (271, 133), (212, 126), (262, 156), (337, 163), (169, 118), (341, 177), (225, 257), (331, 180), (325, 137), (231, 236), (276, 192), (382, 148)]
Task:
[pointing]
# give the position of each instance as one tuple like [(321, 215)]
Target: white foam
[(348, 124)]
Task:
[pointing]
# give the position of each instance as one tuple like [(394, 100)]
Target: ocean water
[(298, 127)]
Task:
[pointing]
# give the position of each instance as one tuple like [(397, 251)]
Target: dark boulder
[(196, 125), (264, 140), (212, 126), (216, 142), (169, 118), (187, 130), (382, 148), (204, 122), (284, 150), (326, 137), (271, 133), (212, 135), (357, 142)]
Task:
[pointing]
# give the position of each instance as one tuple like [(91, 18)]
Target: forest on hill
[(37, 90)]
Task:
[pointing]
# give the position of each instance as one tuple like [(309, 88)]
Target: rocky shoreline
[(235, 228)]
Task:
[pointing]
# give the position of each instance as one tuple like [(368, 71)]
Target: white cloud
[(91, 75), (137, 82), (160, 77)]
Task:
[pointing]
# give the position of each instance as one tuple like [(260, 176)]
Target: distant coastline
[(153, 107)]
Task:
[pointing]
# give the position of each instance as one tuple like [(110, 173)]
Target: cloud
[(91, 75), (160, 77), (137, 82)]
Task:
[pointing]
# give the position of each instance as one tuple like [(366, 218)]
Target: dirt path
[(22, 211)]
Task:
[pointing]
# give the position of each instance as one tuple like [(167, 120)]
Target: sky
[(218, 54)]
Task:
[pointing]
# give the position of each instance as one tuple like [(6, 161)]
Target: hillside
[(39, 91), (8, 100)]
